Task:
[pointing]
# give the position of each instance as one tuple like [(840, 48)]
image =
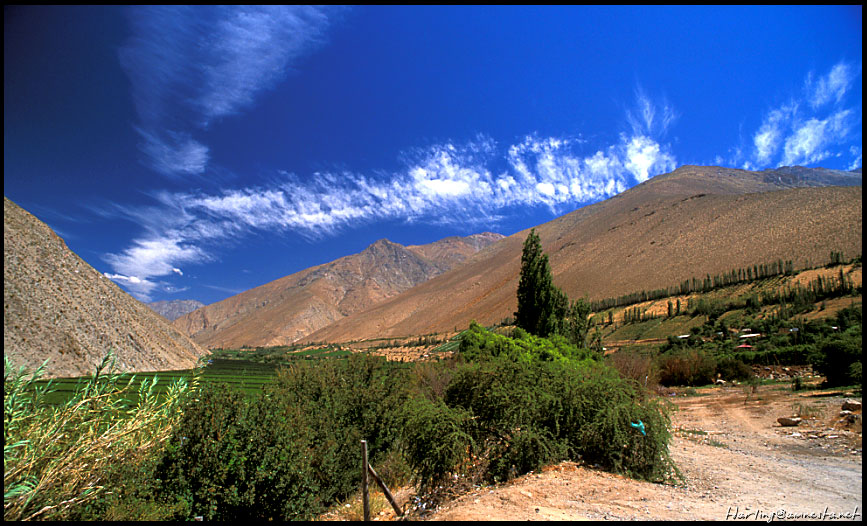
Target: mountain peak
[(384, 241), (286, 310)]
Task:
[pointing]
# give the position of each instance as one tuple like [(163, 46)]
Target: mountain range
[(59, 308), (290, 308), (694, 221)]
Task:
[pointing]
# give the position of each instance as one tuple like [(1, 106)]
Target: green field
[(244, 375), (246, 370)]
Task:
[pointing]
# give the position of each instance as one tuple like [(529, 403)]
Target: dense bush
[(838, 358), (289, 451), (345, 401), (729, 368), (436, 438), (528, 401), (478, 344), (768, 355), (687, 366), (234, 457)]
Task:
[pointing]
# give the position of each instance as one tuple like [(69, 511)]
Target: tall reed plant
[(59, 458)]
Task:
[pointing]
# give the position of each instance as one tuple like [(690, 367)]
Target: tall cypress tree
[(542, 307)]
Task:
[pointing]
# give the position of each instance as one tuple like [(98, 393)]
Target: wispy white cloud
[(138, 287), (150, 257), (173, 153), (250, 49), (813, 126), (190, 65), (645, 158), (650, 122), (855, 151), (831, 87), (809, 142), (225, 289), (450, 183), (768, 138), (650, 118)]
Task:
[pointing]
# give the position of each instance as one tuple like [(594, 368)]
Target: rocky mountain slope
[(57, 307), (290, 308), (691, 222), (174, 309)]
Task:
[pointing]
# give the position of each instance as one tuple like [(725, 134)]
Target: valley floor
[(737, 461)]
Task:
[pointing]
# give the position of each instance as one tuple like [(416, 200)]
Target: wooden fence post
[(364, 481), (367, 469), (388, 494)]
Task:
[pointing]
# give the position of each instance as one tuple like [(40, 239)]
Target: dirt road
[(738, 462)]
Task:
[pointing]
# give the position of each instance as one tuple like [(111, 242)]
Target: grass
[(691, 391), (806, 411), (245, 375), (352, 509), (656, 328), (247, 370), (692, 431)]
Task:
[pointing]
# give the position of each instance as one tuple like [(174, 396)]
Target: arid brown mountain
[(288, 309), (57, 307), (691, 222), (174, 309)]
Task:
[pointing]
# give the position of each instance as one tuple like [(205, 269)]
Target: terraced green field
[(248, 376), (247, 370)]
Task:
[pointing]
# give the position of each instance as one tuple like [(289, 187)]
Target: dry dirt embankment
[(734, 455)]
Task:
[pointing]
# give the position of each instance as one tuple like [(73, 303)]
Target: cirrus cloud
[(191, 65), (450, 183), (812, 126)]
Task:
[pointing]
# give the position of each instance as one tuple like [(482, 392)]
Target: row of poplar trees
[(544, 309)]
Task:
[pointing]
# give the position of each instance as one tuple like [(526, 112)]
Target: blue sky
[(197, 152)]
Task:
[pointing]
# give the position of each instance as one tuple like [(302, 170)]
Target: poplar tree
[(542, 307)]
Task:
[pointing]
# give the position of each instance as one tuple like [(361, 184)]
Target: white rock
[(851, 405)]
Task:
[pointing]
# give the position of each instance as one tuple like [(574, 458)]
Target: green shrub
[(729, 368), (436, 439), (60, 461), (610, 439), (533, 402), (686, 367), (478, 344), (838, 357), (291, 450), (234, 457), (345, 401), (523, 450)]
